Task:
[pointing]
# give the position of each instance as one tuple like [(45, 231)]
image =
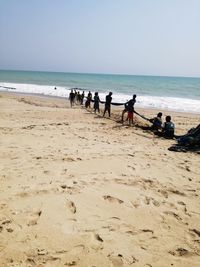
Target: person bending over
[(129, 107)]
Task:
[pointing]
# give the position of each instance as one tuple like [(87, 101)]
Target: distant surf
[(170, 93)]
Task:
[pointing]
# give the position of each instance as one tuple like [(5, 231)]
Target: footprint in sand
[(155, 202), (34, 218), (174, 191), (147, 231), (181, 252), (113, 199), (95, 240), (116, 261), (120, 260), (70, 263), (98, 238), (149, 200), (73, 255), (6, 224), (171, 213), (164, 193), (9, 230), (136, 203), (115, 218), (41, 257), (197, 232), (69, 159), (72, 207), (184, 208)]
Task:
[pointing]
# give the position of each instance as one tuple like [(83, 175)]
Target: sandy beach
[(77, 189)]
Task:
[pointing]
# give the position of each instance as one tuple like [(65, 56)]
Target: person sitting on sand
[(157, 122), (168, 128), (129, 107), (96, 102), (108, 104)]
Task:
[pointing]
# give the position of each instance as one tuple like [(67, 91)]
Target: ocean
[(171, 93)]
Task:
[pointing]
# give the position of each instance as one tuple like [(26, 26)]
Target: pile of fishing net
[(188, 142)]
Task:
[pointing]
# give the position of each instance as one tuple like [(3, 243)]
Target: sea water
[(171, 93)]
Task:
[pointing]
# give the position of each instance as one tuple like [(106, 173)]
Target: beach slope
[(77, 189)]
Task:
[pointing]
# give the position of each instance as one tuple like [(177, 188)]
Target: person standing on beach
[(75, 96), (96, 102), (107, 104), (78, 98), (129, 107), (71, 98), (82, 97), (89, 99)]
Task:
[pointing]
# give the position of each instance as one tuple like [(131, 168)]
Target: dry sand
[(80, 190)]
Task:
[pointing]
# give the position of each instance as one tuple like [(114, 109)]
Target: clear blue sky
[(150, 37)]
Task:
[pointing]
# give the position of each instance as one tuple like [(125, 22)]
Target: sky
[(139, 37)]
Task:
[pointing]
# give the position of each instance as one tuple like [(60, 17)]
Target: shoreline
[(152, 94), (102, 105)]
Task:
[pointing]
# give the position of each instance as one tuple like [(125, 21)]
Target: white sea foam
[(167, 103), (35, 89)]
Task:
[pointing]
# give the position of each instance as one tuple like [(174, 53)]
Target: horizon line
[(98, 73)]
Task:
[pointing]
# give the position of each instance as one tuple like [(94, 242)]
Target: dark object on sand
[(188, 142), (192, 138), (179, 148)]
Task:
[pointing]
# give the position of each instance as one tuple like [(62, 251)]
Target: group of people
[(166, 130), (96, 100), (75, 97)]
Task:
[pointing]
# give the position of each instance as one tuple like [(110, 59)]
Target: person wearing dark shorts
[(71, 98), (96, 102), (108, 104)]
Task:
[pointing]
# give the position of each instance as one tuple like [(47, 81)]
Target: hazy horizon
[(95, 73), (135, 37)]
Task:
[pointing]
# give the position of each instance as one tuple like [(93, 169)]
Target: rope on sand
[(122, 104), (141, 116)]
